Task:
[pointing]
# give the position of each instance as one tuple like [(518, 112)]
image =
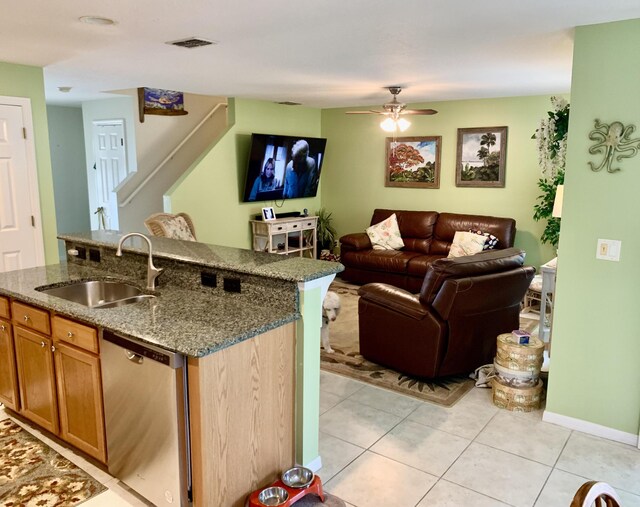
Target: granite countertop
[(280, 267), (188, 321)]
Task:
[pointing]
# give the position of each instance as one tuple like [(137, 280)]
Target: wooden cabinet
[(79, 386), (59, 379), (39, 402), (286, 236), (8, 376)]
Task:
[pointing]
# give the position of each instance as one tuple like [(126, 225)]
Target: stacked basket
[(517, 385)]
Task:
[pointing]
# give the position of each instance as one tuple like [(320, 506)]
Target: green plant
[(543, 209), (326, 233), (551, 138)]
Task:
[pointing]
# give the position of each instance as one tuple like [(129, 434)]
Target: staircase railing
[(171, 155)]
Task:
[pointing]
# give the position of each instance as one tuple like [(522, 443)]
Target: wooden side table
[(286, 236)]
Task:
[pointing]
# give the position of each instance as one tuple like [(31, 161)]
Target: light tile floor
[(381, 449)]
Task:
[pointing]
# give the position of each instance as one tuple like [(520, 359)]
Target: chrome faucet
[(152, 271)]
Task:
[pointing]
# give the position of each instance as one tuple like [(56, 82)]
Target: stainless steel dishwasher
[(146, 418)]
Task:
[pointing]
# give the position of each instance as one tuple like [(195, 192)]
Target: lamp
[(557, 203), (393, 123)]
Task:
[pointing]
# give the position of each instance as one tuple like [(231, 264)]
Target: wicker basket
[(517, 399), (524, 358)]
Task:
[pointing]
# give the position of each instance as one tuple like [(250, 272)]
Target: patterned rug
[(346, 359), (33, 474)]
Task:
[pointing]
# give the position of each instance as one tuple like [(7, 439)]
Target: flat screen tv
[(283, 167)]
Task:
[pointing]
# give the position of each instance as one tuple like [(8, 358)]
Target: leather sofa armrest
[(394, 298), (356, 241)]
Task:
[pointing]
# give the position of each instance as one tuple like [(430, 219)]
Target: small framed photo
[(482, 156), (268, 214), (413, 162)]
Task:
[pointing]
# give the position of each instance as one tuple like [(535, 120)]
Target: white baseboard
[(591, 428), (315, 464)]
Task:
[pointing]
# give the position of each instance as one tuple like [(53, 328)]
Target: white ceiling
[(322, 53)]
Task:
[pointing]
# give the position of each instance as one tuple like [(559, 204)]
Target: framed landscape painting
[(413, 162), (482, 155)]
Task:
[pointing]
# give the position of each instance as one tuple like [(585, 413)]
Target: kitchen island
[(249, 325)]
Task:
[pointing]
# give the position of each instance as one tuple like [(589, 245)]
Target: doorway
[(109, 170), (21, 243)]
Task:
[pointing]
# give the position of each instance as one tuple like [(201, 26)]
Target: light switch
[(608, 249)]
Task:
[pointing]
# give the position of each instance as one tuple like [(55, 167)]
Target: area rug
[(346, 359), (314, 501), (31, 473)]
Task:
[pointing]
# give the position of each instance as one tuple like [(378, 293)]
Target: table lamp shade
[(557, 203)]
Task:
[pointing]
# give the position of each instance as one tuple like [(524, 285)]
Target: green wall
[(353, 176), (210, 190), (595, 357), (27, 81), (69, 172)]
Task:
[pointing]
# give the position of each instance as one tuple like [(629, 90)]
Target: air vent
[(289, 103), (192, 42)]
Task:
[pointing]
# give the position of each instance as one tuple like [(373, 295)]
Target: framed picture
[(268, 214), (482, 155), (157, 101), (413, 162)]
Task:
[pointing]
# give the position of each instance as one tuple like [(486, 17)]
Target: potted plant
[(551, 139), (326, 233)]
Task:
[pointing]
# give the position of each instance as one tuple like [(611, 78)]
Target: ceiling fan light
[(403, 124), (388, 125)]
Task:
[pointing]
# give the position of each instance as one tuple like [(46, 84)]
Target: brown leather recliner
[(451, 327)]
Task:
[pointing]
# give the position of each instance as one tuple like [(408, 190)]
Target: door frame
[(32, 171)]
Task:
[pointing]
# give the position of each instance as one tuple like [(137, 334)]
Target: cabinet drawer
[(33, 318), (4, 308), (80, 335)]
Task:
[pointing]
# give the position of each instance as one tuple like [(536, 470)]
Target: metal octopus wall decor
[(612, 141)]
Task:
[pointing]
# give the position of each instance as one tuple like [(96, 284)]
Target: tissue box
[(521, 337)]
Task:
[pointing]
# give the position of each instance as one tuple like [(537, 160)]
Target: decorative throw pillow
[(177, 228), (466, 243), (386, 235), (491, 242)]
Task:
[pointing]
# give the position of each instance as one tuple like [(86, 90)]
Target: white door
[(110, 170), (21, 244)]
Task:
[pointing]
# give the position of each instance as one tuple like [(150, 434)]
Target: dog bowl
[(273, 496), (297, 477)]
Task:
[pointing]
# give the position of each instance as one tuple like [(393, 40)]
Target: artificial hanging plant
[(551, 139)]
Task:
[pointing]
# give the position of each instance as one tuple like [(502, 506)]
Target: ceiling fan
[(393, 110)]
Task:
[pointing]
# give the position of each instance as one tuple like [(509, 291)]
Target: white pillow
[(386, 235), (466, 243)]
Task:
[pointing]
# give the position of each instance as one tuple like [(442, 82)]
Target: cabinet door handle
[(69, 334), (3, 327), (26, 318), (53, 348), (42, 344)]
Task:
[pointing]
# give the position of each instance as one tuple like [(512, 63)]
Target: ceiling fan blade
[(365, 112), (419, 111)]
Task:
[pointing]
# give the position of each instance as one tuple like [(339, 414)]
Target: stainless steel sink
[(98, 293)]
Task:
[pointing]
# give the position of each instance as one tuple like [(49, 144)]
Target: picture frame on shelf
[(481, 157), (161, 102), (413, 162), (268, 214)]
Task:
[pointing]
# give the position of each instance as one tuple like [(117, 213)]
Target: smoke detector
[(192, 42)]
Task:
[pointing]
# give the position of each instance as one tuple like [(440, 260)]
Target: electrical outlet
[(609, 250), (231, 284), (208, 279)]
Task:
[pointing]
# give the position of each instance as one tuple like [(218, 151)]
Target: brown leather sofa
[(427, 237), (451, 327)]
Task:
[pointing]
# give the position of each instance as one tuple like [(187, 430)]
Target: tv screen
[(283, 167)]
